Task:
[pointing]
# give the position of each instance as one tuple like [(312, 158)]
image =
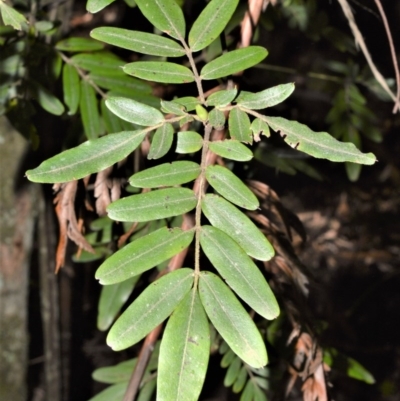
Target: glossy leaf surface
[(71, 88), (226, 217), (165, 15), (239, 126), (231, 320), (89, 109), (150, 309), (88, 158), (168, 174), (160, 71), (231, 149), (266, 98), (231, 187), (161, 142), (234, 61), (158, 204), (210, 23), (141, 42), (134, 112), (318, 144), (239, 271), (188, 142), (79, 45), (112, 298), (184, 352), (143, 254)]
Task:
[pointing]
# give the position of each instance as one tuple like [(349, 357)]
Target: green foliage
[(189, 297)]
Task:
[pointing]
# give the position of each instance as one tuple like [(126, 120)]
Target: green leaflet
[(259, 127), (318, 144), (115, 374), (239, 271), (100, 63), (231, 149), (89, 111), (134, 112), (71, 88), (232, 372), (189, 102), (167, 174), (184, 352), (217, 119), (234, 61), (128, 86), (161, 142), (210, 23), (239, 126), (157, 204), (88, 158), (141, 42), (240, 381), (115, 393), (48, 101), (111, 121), (188, 142), (222, 98), (94, 6), (266, 98), (79, 45), (11, 16), (160, 71), (150, 309), (231, 320), (231, 187), (165, 15), (112, 298), (172, 108), (143, 254), (146, 392), (237, 225)]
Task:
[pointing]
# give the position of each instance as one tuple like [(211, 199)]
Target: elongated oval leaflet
[(112, 298), (239, 271), (172, 108), (210, 23), (150, 309), (217, 119), (47, 100), (114, 392), (100, 63), (87, 158), (318, 144), (231, 149), (120, 83), (112, 123), (188, 142), (160, 71), (115, 374), (231, 320), (71, 88), (266, 98), (137, 41), (165, 15), (226, 217), (184, 352), (222, 98), (231, 187), (88, 106), (239, 126), (167, 174), (158, 204), (134, 112), (94, 6), (234, 61), (161, 142), (143, 254), (79, 45)]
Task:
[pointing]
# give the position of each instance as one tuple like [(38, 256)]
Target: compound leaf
[(266, 98), (141, 42), (231, 320), (167, 174), (239, 126), (188, 142), (318, 144), (239, 271), (231, 187), (210, 23), (223, 215), (184, 352), (165, 15), (234, 61), (88, 158), (150, 309), (158, 204), (143, 254), (160, 71), (134, 112), (231, 149), (161, 142)]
